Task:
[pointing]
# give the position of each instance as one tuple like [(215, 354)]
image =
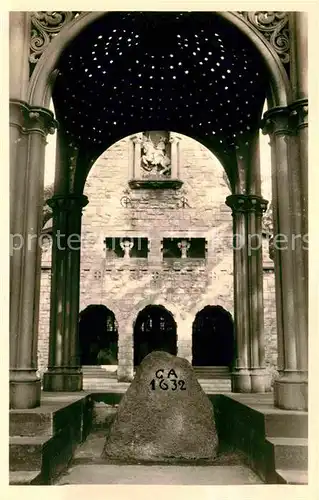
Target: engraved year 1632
[(167, 382)]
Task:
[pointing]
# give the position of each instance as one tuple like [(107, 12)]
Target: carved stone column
[(241, 381), (291, 389), (298, 23), (255, 206), (64, 372), (29, 127)]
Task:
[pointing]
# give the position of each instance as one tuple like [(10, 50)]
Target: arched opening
[(98, 336), (213, 337), (154, 330)]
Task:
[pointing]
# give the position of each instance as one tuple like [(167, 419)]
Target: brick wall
[(183, 287)]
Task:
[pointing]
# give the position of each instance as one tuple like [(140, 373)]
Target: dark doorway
[(213, 337), (154, 330), (98, 336)]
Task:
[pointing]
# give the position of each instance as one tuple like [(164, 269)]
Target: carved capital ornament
[(242, 203), (67, 203), (31, 119)]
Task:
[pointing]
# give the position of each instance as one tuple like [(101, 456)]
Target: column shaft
[(241, 381), (64, 373), (31, 127), (255, 208), (19, 33), (256, 205), (291, 388)]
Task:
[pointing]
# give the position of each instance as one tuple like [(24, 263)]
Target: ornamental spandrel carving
[(274, 27), (45, 26)]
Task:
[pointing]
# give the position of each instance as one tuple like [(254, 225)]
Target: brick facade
[(183, 286)]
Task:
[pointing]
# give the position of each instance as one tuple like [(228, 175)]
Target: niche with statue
[(155, 160)]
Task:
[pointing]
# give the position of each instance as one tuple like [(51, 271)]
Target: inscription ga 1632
[(167, 382)]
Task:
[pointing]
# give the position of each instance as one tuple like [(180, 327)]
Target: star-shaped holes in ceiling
[(189, 72)]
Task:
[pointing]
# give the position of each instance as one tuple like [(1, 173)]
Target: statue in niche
[(155, 160), (184, 246), (126, 246)]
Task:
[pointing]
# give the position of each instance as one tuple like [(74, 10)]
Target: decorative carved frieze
[(274, 27), (45, 26)]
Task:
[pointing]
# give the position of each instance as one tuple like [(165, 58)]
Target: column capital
[(32, 118), (277, 121), (67, 203), (246, 203), (299, 113)]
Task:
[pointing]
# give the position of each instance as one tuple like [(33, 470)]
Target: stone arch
[(42, 77), (213, 339), (154, 329), (98, 335), (156, 301)]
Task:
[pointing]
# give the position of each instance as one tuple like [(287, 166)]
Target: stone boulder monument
[(164, 415)]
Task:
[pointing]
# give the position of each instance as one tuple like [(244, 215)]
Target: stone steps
[(272, 439), (97, 371), (212, 372), (26, 452), (276, 424), (42, 440), (289, 453), (24, 477), (292, 476)]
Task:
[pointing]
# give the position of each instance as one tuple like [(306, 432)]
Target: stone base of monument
[(165, 416)]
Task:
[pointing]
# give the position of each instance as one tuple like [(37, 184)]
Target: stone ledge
[(155, 183)]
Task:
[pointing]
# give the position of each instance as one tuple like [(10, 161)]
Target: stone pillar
[(29, 127), (125, 370), (255, 208), (241, 381), (64, 372), (20, 34), (291, 389), (298, 23), (184, 343)]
